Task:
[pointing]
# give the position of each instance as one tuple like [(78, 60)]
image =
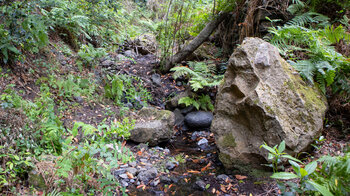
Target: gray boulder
[(154, 126), (199, 119), (262, 100)]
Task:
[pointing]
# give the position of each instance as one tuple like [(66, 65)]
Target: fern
[(202, 102), (296, 36), (201, 75)]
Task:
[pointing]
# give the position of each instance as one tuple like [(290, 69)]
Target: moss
[(311, 95), (228, 141), (269, 109)]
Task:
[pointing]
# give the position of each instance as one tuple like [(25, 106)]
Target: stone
[(147, 175), (174, 102), (36, 180), (179, 118), (132, 170), (146, 44), (165, 180), (118, 172), (155, 183), (154, 126), (198, 134), (107, 63), (170, 166), (261, 100), (121, 57), (123, 183), (130, 54), (222, 177), (124, 176), (187, 110), (78, 99), (203, 144), (200, 185), (199, 119), (156, 79)]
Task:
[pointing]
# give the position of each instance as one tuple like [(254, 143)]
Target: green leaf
[(291, 158), (282, 146), (323, 190), (296, 167), (311, 167), (271, 150), (284, 175), (303, 172)]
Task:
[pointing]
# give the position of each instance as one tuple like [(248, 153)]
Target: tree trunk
[(195, 43)]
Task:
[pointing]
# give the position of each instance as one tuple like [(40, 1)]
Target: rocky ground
[(186, 165)]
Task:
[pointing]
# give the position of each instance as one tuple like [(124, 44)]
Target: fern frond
[(308, 18)]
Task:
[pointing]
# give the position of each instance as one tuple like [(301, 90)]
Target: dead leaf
[(130, 176), (206, 167), (239, 177), (193, 172), (223, 189)]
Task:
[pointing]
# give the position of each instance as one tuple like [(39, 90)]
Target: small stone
[(200, 185), (107, 63), (178, 83), (202, 142), (174, 180), (63, 63), (132, 181), (78, 99), (132, 170), (124, 176), (124, 166), (132, 164), (165, 180), (123, 183), (130, 53), (118, 172), (147, 175), (170, 166), (129, 105), (167, 151), (222, 177), (144, 160), (154, 183), (156, 79)]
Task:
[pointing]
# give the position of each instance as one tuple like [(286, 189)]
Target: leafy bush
[(126, 89), (202, 102), (200, 75), (89, 56), (330, 177), (307, 40)]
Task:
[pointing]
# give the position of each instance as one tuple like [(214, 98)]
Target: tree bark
[(195, 43)]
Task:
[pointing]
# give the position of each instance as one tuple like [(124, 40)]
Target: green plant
[(127, 89), (91, 159), (307, 40), (330, 177), (334, 173), (200, 75), (88, 55), (202, 102), (306, 185), (276, 153), (13, 166)]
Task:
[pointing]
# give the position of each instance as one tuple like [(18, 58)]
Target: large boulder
[(263, 99), (153, 126)]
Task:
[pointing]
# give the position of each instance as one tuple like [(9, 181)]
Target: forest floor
[(198, 170)]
